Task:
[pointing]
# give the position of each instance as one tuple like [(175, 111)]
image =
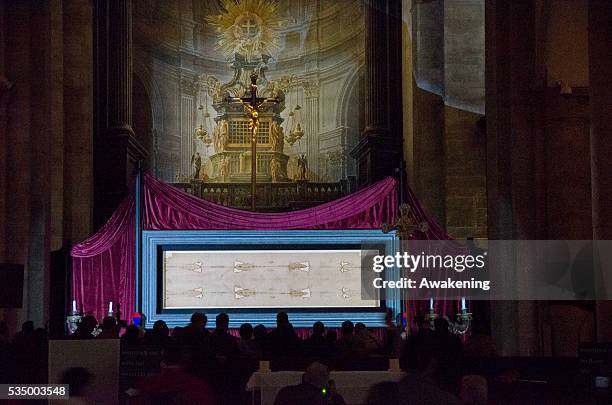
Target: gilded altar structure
[(309, 56), (231, 140)]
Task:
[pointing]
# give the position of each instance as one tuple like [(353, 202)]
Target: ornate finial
[(404, 226)]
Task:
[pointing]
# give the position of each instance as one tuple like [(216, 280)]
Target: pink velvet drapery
[(103, 266), (167, 208)]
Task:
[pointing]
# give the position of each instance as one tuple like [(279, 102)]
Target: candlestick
[(74, 307), (431, 304), (110, 307), (463, 307)]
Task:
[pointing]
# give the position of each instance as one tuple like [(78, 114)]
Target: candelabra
[(73, 322), (74, 319), (294, 128), (431, 317), (462, 325), (203, 131), (458, 327)]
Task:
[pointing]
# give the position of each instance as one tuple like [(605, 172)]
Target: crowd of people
[(201, 364), (23, 358), (254, 342)]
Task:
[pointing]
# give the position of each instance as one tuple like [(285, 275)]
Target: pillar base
[(377, 155), (117, 156)]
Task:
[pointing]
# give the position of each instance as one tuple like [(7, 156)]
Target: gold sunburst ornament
[(247, 27)]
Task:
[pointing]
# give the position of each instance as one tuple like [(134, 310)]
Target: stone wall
[(46, 165), (428, 162), (78, 119), (464, 174), (447, 148), (449, 165), (449, 44)]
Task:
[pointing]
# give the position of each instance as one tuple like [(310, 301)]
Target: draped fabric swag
[(103, 266)]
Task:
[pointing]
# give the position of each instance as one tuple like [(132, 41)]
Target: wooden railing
[(271, 197)]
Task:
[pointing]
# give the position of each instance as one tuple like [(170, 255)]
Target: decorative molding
[(333, 133), (188, 86), (210, 85), (311, 88), (310, 62)]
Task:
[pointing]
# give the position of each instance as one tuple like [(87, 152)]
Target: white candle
[(431, 304), (463, 307), (74, 310), (110, 307)]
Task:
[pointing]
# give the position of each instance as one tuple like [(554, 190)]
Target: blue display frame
[(153, 242)]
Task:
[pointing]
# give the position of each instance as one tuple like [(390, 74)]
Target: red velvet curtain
[(104, 267), (167, 208)]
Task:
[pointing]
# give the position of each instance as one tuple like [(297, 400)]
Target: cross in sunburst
[(248, 25)]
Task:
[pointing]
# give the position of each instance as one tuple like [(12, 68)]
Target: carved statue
[(275, 169), (277, 137), (224, 168), (216, 138), (221, 136), (304, 167), (196, 164), (276, 89), (302, 164), (224, 134)]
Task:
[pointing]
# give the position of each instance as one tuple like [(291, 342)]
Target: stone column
[(311, 126), (187, 122), (120, 68), (600, 100), (379, 150), (116, 150), (5, 93), (377, 91), (16, 29), (510, 110)]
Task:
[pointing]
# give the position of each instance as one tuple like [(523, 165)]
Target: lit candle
[(74, 310), (463, 307), (110, 307), (431, 304)]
